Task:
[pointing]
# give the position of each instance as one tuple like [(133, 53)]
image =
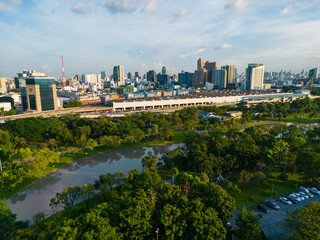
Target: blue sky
[(147, 34)]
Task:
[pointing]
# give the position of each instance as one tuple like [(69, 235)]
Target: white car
[(285, 200), (294, 196), (314, 191), (306, 192), (303, 195)]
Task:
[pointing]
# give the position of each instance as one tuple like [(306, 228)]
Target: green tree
[(308, 163), (150, 161), (248, 226), (73, 104), (304, 222), (86, 192), (66, 198), (7, 221)]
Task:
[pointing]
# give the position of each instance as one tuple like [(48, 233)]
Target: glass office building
[(39, 93)]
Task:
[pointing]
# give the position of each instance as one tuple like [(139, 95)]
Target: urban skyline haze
[(141, 35)]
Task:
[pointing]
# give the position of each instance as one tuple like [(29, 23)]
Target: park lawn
[(252, 193), (300, 120)]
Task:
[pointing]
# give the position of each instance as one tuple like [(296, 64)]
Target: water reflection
[(36, 197)]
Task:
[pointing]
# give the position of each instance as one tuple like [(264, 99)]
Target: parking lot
[(271, 222)]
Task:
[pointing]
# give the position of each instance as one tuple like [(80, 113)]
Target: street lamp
[(0, 162), (157, 232), (285, 165)]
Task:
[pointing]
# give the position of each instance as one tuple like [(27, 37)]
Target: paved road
[(271, 222)]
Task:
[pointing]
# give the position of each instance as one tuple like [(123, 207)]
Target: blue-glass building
[(38, 93)]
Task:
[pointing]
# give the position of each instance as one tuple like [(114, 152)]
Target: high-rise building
[(254, 76), (185, 78), (118, 75), (219, 78), (151, 76), (38, 92), (129, 76), (136, 75), (3, 85), (200, 64), (203, 73), (104, 76), (231, 76), (91, 78), (165, 70), (313, 73)]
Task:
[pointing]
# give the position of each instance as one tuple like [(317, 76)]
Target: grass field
[(254, 192)]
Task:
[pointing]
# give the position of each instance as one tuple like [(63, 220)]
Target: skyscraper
[(129, 76), (165, 70), (3, 85), (200, 64), (231, 76), (151, 76), (219, 78), (203, 73), (185, 78), (136, 75), (254, 76), (104, 76), (313, 73), (118, 75)]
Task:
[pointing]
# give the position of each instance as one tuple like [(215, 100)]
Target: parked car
[(306, 192), (273, 205), (285, 200), (262, 208), (295, 196), (304, 195), (314, 191), (302, 198), (292, 199)]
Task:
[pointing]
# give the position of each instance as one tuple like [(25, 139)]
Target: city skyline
[(142, 35)]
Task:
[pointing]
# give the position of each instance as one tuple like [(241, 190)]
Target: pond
[(36, 197)]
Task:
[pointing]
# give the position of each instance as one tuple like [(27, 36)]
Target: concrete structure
[(151, 76), (192, 101), (231, 76), (38, 92), (91, 78), (219, 78), (3, 85), (254, 76), (6, 106), (118, 75), (185, 78), (200, 64), (203, 73)]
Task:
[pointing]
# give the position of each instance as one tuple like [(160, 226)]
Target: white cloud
[(151, 6), (157, 66), (184, 55), (81, 9), (14, 1), (182, 13), (237, 5), (223, 46), (2, 7), (120, 6), (287, 10)]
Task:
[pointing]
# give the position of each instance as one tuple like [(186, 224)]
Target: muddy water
[(36, 197)]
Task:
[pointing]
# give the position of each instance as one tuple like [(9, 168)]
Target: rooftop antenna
[(63, 74)]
